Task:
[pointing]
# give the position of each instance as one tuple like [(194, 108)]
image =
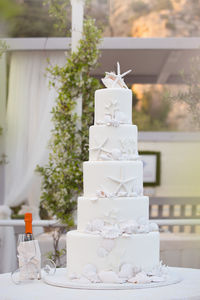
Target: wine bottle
[(28, 227)]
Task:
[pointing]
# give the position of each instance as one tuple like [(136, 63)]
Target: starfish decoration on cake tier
[(100, 148), (122, 184), (113, 80)]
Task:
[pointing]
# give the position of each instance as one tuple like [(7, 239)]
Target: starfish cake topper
[(112, 80)]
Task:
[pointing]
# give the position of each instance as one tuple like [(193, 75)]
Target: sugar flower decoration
[(112, 80)]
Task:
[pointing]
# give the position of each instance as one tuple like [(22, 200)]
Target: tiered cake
[(114, 241)]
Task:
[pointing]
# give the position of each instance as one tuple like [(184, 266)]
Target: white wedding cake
[(114, 241)]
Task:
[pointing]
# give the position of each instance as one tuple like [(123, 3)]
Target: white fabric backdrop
[(28, 125)]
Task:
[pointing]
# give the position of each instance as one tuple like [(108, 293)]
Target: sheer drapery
[(28, 126)]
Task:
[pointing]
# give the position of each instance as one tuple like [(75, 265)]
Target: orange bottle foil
[(28, 223)]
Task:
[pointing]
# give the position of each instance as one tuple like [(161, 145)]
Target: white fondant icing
[(115, 243), (113, 210), (113, 107), (101, 177), (140, 250)]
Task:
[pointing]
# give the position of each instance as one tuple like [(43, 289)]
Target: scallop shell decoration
[(110, 277), (126, 271), (90, 272), (113, 80)]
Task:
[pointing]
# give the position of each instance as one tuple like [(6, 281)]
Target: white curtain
[(28, 126)]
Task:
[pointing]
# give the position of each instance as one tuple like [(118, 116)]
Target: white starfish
[(118, 78), (122, 182), (100, 148)]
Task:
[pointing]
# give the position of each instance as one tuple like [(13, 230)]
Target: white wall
[(180, 167)]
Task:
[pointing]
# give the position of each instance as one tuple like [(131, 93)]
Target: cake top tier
[(113, 105)]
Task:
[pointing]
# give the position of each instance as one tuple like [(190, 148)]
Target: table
[(188, 288)]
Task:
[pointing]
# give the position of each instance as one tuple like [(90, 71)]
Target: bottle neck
[(29, 237)]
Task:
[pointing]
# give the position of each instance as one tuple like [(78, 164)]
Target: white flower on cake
[(113, 80)]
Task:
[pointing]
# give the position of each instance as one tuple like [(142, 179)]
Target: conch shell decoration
[(112, 80)]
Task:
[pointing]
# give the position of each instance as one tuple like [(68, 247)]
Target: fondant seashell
[(108, 244), (90, 272), (129, 227), (122, 194), (140, 278), (126, 271), (115, 123), (153, 227), (143, 229), (89, 268), (110, 277), (102, 252), (111, 232), (116, 154), (108, 81)]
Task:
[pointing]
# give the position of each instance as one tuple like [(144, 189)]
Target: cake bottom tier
[(139, 250)]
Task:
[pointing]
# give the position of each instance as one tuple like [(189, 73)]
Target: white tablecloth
[(188, 288)]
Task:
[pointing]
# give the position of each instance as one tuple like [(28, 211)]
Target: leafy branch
[(62, 176)]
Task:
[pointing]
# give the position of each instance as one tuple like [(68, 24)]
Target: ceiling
[(152, 60)]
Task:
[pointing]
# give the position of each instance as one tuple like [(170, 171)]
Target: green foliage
[(192, 96), (32, 21), (62, 176), (3, 48), (9, 9), (60, 11)]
